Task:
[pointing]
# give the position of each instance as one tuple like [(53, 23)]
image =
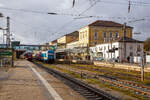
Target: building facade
[(123, 49), (102, 32), (64, 40)]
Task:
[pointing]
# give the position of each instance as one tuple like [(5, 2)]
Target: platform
[(28, 82)]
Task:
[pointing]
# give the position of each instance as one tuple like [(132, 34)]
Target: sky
[(37, 28)]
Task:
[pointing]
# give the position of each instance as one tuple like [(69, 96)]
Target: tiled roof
[(106, 24), (75, 33)]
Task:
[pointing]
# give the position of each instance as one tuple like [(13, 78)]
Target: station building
[(122, 49), (62, 42), (96, 33), (100, 32)]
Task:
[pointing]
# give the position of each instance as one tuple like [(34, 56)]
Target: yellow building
[(53, 42), (102, 31), (69, 37), (62, 42)]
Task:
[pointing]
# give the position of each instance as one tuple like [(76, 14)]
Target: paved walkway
[(28, 82)]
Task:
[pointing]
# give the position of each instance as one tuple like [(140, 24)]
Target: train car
[(48, 56), (38, 56), (51, 56), (44, 56), (28, 56)]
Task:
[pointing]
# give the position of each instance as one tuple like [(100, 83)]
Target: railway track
[(137, 88), (84, 89), (109, 72), (130, 85)]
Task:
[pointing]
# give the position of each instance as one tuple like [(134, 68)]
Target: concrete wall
[(135, 67), (131, 48)]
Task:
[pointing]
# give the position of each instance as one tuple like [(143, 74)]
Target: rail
[(84, 89)]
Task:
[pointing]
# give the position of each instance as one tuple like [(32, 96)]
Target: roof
[(75, 33), (107, 24), (54, 40), (127, 39)]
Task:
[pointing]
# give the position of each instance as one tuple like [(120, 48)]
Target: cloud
[(1, 5), (39, 28)]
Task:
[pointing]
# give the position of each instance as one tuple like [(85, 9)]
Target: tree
[(147, 45)]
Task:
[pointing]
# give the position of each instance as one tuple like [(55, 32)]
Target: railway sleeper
[(88, 94), (91, 96)]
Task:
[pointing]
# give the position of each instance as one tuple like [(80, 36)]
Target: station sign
[(6, 53)]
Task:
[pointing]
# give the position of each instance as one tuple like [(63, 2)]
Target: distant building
[(122, 49), (100, 32), (62, 44), (53, 42), (62, 41)]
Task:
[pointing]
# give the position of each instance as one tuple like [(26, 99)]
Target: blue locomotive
[(48, 56)]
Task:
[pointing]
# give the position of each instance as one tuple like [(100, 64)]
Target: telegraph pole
[(8, 33), (142, 69), (142, 66)]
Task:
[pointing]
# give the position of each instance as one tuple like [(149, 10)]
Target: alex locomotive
[(46, 56)]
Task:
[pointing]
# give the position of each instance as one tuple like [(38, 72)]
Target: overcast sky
[(38, 28)]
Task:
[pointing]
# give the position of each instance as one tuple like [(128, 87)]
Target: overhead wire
[(81, 14), (67, 14), (30, 28), (68, 23)]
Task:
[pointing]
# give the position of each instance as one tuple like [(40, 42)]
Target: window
[(138, 48), (95, 43), (110, 36), (96, 35), (80, 35), (85, 33), (131, 47), (113, 46), (105, 36), (117, 35), (131, 54), (99, 48)]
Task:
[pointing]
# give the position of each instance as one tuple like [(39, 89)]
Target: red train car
[(29, 56)]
